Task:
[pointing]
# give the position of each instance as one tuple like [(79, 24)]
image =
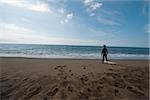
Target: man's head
[(104, 46)]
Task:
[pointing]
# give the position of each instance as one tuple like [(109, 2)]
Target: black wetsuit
[(104, 54)]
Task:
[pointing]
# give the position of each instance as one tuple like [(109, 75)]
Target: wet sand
[(73, 79)]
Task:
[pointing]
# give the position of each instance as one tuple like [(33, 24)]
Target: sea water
[(71, 51)]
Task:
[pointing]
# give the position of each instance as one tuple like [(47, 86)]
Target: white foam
[(80, 56)]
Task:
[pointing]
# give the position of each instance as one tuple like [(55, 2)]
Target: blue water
[(64, 51)]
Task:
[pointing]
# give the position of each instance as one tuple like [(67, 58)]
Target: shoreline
[(72, 45), (78, 58)]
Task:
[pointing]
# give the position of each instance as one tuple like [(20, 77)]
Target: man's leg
[(106, 58), (103, 59)]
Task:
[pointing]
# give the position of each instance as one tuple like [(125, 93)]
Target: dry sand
[(73, 79)]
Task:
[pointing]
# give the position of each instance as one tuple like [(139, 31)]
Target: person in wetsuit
[(104, 54)]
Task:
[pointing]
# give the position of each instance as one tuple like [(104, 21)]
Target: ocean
[(71, 51)]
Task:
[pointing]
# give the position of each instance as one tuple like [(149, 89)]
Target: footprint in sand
[(135, 90), (89, 90), (72, 74), (116, 92), (64, 66), (83, 75), (33, 91), (84, 67), (50, 93), (57, 67), (84, 78), (69, 70), (110, 69), (65, 78), (70, 88), (53, 92), (98, 88), (81, 79)]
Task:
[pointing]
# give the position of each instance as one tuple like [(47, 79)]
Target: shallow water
[(68, 51)]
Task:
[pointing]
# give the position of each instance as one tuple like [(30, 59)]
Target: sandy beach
[(73, 79)]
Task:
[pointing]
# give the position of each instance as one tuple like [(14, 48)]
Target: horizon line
[(73, 45)]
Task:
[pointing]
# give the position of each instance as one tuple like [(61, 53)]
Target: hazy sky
[(77, 22)]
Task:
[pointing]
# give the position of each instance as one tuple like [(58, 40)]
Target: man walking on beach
[(104, 53)]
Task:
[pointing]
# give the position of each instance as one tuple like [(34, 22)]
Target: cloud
[(88, 2), (110, 17), (95, 6), (92, 6), (92, 14), (11, 33), (67, 18), (36, 6), (61, 11), (41, 7), (107, 21), (12, 28), (41, 39), (24, 19)]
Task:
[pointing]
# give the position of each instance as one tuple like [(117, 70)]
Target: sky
[(75, 22)]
